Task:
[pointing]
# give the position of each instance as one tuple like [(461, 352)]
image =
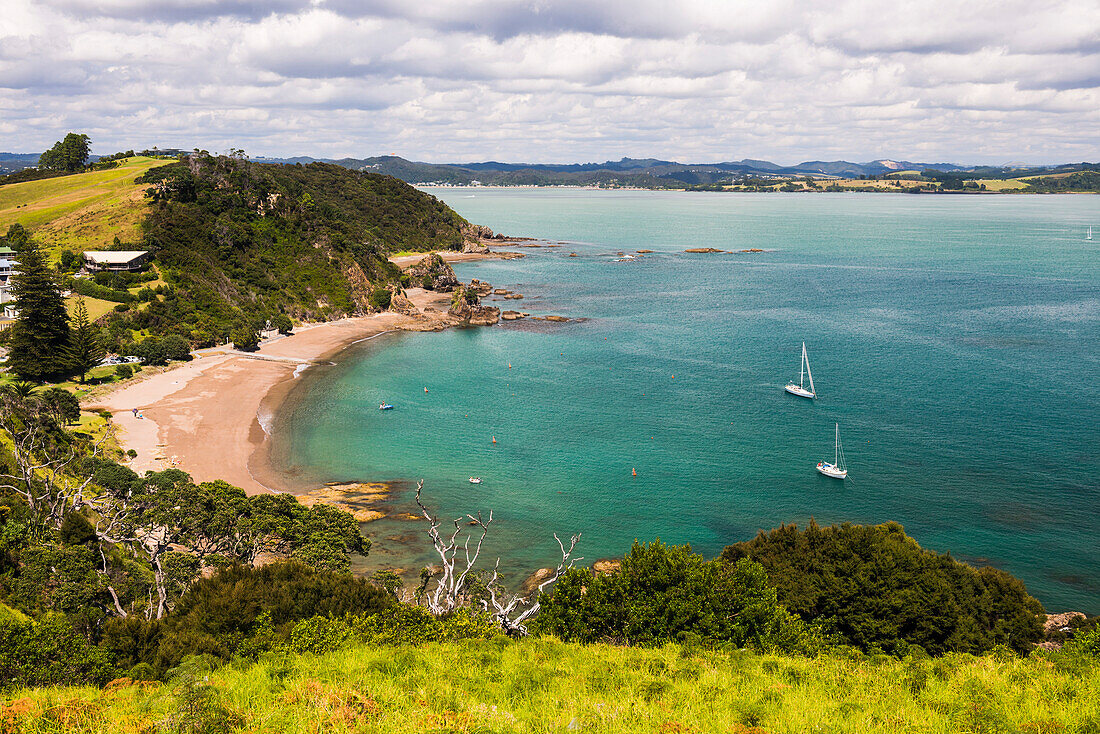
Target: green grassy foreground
[(549, 686)]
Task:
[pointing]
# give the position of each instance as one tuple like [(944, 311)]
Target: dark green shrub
[(62, 405), (124, 371), (878, 589), (49, 652), (219, 614), (667, 593), (282, 324), (176, 347), (246, 339), (380, 299)]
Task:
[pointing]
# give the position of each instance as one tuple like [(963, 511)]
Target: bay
[(953, 338)]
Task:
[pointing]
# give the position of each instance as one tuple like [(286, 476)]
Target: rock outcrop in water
[(466, 305)]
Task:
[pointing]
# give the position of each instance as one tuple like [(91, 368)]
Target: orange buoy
[(494, 439), (633, 472), (425, 389), (509, 365)]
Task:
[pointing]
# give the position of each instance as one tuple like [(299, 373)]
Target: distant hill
[(12, 162), (640, 172), (650, 173)]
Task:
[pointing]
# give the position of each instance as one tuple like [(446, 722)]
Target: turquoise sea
[(955, 339)]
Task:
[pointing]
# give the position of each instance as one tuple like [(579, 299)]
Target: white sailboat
[(837, 469), (1090, 233), (804, 372)]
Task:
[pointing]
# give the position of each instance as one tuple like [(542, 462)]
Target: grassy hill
[(548, 686), (82, 211)]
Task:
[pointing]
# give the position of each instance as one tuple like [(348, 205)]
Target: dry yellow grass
[(992, 184), (80, 212)]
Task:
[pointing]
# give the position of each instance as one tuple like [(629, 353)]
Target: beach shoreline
[(204, 416)]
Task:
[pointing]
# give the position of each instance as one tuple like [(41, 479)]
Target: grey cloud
[(176, 11), (710, 79)]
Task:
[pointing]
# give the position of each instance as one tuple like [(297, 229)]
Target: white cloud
[(559, 80)]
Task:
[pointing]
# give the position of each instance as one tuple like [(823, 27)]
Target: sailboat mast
[(806, 360), (836, 448), (802, 366)]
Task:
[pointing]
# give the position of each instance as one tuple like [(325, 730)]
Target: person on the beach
[(135, 411)]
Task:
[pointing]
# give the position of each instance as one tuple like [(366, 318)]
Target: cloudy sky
[(979, 81)]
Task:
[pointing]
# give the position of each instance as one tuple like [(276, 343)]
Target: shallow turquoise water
[(953, 338)]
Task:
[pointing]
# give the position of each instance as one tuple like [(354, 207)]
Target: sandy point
[(202, 416)]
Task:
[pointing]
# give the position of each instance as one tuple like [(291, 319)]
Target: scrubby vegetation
[(879, 590)]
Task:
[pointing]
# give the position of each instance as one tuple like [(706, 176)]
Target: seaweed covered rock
[(432, 273)]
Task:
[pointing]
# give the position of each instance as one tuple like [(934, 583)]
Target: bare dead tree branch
[(502, 610), (451, 591)]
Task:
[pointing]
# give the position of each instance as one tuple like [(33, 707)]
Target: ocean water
[(955, 339)]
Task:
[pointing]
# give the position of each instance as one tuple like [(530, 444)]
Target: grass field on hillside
[(81, 211), (993, 184), (549, 686)]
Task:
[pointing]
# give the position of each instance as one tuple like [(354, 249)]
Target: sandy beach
[(201, 416)]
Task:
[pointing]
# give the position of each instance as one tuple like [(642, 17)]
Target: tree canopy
[(68, 155), (39, 340)]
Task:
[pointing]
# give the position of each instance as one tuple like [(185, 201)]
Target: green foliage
[(242, 242), (282, 323), (91, 289), (880, 590), (161, 350), (246, 338), (49, 652), (664, 593), (68, 154), (196, 705), (404, 624), (70, 261), (1086, 642), (221, 614), (60, 404), (380, 299), (124, 371), (1079, 181), (39, 338), (85, 343)]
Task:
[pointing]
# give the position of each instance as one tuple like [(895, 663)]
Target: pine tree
[(85, 343), (39, 341)]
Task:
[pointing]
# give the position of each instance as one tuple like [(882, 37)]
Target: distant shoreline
[(708, 190)]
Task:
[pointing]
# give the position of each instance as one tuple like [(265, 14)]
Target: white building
[(116, 261)]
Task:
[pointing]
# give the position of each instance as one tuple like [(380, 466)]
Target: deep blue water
[(954, 339)]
